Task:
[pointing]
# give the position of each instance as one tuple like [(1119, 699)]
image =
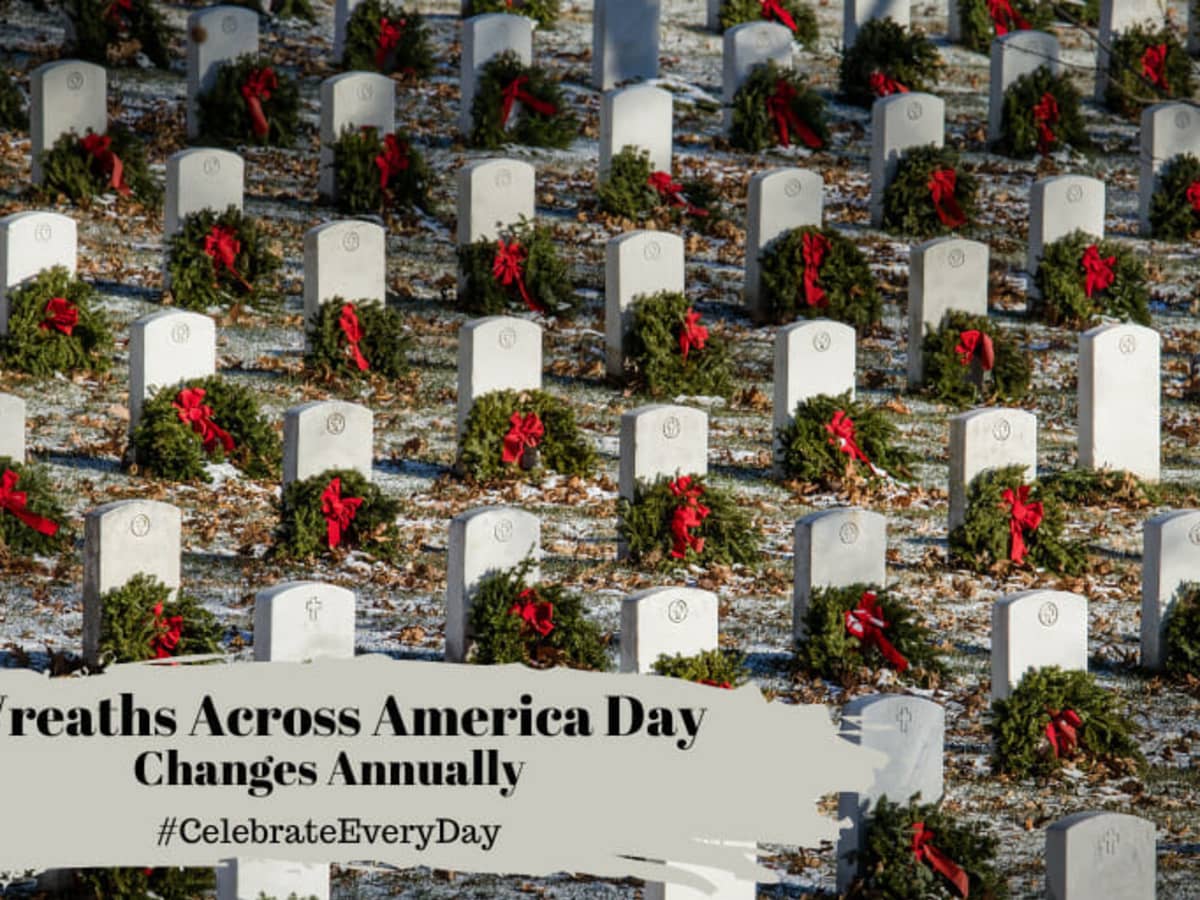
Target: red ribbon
[(941, 188), (1098, 270), (866, 623), (1024, 516), (168, 632), (514, 92), (117, 10), (815, 247), (1005, 18), (338, 511), (672, 193), (392, 161), (222, 246), (692, 334), (884, 86), (973, 341), (1046, 116), (526, 431), (508, 268), (1154, 65), (537, 614), (690, 514), (61, 314), (841, 431), (256, 89), (925, 852), (1061, 733), (773, 11), (1193, 195), (780, 106), (724, 684), (16, 502), (189, 404), (348, 322), (100, 148), (388, 40)]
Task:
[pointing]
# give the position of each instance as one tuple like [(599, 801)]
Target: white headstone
[(482, 38), (1170, 560), (30, 242), (1119, 389), (666, 620), (342, 11), (900, 122), (1096, 854), (203, 178), (497, 353), (778, 201), (1059, 206), (945, 274), (216, 35), (352, 100), (624, 41), (1117, 16), (662, 440), (346, 259), (857, 13), (483, 542), (250, 879), (301, 620), (12, 427), (1168, 130), (327, 434), (988, 439), (492, 195), (636, 263), (746, 46), (1034, 630), (166, 348), (836, 548), (68, 95), (812, 358), (1013, 55), (638, 117)]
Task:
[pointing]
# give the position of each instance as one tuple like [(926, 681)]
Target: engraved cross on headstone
[(313, 606)]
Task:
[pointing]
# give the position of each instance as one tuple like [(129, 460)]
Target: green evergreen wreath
[(405, 49), (1062, 284), (538, 625), (1173, 216), (200, 281), (644, 525), (1181, 638), (1024, 131), (304, 531), (13, 114), (27, 535), (960, 378), (719, 668), (131, 630), (806, 31), (142, 884), (887, 869), (844, 288), (628, 191), (70, 169), (482, 448), (111, 32), (774, 102), (543, 273), (1129, 87), (812, 453), (829, 650), (1020, 745), (544, 12), (908, 200), (227, 114), (280, 9), (654, 352), (1102, 487), (553, 126), (53, 327), (978, 30), (905, 56), (384, 343), (983, 541), (1070, 11), (361, 164), (166, 446)]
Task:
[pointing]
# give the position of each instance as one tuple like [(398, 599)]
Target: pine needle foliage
[(627, 192), (358, 176), (754, 128), (1181, 638), (1070, 11), (412, 55), (809, 456), (40, 500), (983, 541), (385, 343), (562, 449), (524, 126), (100, 26), (1018, 723), (978, 29), (1172, 216), (164, 446), (908, 206), (501, 636), (905, 55), (1019, 134), (544, 12), (224, 114), (545, 273), (887, 868), (949, 381), (656, 361), (1061, 281), (303, 534), (40, 351), (199, 284), (721, 667), (806, 32), (1102, 487), (281, 9), (70, 171), (13, 113), (127, 622), (644, 525), (137, 884), (845, 277), (1128, 89)]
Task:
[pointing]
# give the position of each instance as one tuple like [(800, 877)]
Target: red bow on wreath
[(118, 10), (925, 852), (974, 341), (338, 511), (1005, 18), (526, 431), (884, 86), (692, 333), (672, 193), (841, 436), (866, 623), (773, 11), (16, 502), (61, 314), (783, 114), (168, 632), (508, 268), (388, 40), (1061, 731), (941, 188), (537, 614), (1024, 516), (392, 161), (690, 514), (1193, 195), (814, 247), (222, 246), (256, 90), (1098, 270), (514, 92), (724, 684), (1046, 116), (99, 146), (348, 322), (1154, 65), (192, 410)]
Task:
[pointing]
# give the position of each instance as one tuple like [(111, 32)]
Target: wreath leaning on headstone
[(970, 360), (80, 168), (982, 21), (281, 9), (519, 104), (814, 273), (670, 353), (337, 511), (375, 175), (723, 668), (538, 625), (358, 339), (686, 521), (635, 191), (186, 426), (522, 434), (250, 102), (141, 621), (169, 883), (851, 633), (220, 259), (13, 114), (520, 270), (1175, 204), (796, 15), (1041, 114), (1009, 523), (833, 438), (775, 107), (1054, 716), (886, 59), (918, 851), (1146, 65), (1181, 634), (1081, 278), (31, 516), (930, 194), (384, 38), (114, 32), (544, 12), (53, 327)]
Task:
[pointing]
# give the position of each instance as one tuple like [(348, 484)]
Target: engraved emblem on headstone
[(904, 719), (350, 241), (915, 111), (1110, 842), (336, 423), (211, 166), (821, 341), (43, 233), (140, 525), (503, 178), (229, 24), (180, 333), (314, 607), (507, 339), (1183, 120), (793, 188), (1048, 613), (1127, 344), (1002, 430), (677, 611), (503, 531), (653, 251), (956, 258), (366, 91), (1074, 193), (762, 40), (75, 81), (671, 428), (848, 533), (1194, 534)]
